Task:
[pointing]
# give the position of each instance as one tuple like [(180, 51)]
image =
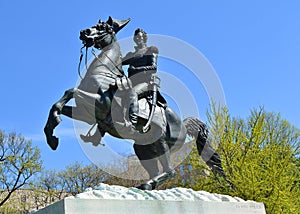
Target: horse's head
[(103, 33)]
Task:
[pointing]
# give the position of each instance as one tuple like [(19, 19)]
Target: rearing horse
[(100, 98)]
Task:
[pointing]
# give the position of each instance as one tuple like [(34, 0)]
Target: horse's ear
[(110, 21), (117, 24)]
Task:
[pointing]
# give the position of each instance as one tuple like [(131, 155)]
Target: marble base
[(92, 206), (106, 198)]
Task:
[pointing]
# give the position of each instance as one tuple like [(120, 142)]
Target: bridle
[(95, 55)]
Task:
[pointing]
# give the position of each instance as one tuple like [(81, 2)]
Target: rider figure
[(142, 65)]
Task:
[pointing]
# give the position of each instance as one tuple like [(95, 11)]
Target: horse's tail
[(199, 131)]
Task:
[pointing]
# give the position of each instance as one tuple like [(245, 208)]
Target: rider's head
[(140, 37)]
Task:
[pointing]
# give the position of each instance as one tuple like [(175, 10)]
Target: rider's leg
[(134, 93), (133, 107)]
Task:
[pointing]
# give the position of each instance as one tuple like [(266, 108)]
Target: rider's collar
[(138, 48)]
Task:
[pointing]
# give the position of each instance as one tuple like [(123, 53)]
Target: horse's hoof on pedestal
[(145, 187)]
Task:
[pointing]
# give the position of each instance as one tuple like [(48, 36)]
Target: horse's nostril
[(87, 31)]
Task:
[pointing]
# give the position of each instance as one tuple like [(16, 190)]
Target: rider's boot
[(133, 108)]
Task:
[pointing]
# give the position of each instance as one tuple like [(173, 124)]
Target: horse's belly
[(85, 110)]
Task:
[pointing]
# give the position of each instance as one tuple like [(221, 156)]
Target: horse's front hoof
[(51, 140), (145, 187)]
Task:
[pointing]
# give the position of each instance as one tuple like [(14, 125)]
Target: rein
[(80, 59), (95, 55), (120, 70)]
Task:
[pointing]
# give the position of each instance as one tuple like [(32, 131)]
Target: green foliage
[(259, 156), (19, 161)]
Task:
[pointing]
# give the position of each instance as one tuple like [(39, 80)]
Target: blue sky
[(253, 46)]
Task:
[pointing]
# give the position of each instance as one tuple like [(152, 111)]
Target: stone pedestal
[(105, 206), (115, 199)]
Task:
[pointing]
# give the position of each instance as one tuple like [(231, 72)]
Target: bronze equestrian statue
[(100, 99)]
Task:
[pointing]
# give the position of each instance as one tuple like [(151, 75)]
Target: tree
[(133, 176), (47, 188), (259, 156), (19, 161), (76, 178)]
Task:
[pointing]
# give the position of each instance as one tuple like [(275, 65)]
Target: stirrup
[(141, 130), (146, 129)]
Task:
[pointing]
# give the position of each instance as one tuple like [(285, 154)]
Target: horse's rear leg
[(165, 160), (54, 118), (149, 156), (154, 182), (146, 155)]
